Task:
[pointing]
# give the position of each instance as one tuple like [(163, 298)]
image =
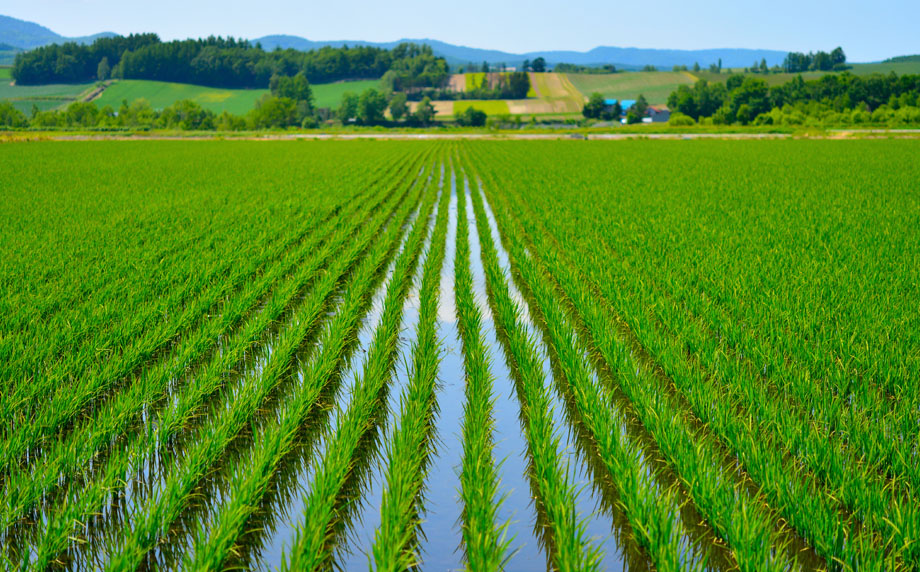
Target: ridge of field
[(162, 94), (45, 97), (655, 86)]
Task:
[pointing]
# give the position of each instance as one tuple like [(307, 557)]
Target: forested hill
[(223, 62)]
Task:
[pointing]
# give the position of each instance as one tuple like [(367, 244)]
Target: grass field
[(253, 355), (490, 106), (162, 94), (23, 97), (330, 94), (238, 101), (5, 73), (655, 86)]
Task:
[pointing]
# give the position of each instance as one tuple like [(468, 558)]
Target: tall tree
[(539, 65), (425, 112), (348, 109), (103, 69), (398, 106), (595, 106), (371, 106)]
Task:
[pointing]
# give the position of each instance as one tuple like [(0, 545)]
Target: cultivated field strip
[(251, 359)]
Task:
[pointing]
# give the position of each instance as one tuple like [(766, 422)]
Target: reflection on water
[(353, 555), (510, 446), (599, 525), (440, 545)]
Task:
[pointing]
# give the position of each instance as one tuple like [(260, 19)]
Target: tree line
[(744, 99), (290, 103), (224, 62), (797, 62)]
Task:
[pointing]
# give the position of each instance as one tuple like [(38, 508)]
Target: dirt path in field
[(443, 108), (95, 93), (556, 90), (457, 82)]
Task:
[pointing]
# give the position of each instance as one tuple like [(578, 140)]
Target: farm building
[(658, 113)]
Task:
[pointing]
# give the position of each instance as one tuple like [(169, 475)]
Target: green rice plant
[(26, 486), (572, 551), (314, 541), (172, 420), (408, 450), (737, 518), (100, 330), (18, 405), (815, 515), (652, 510), (154, 520), (485, 544)]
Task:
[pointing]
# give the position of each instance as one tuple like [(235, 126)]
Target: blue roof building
[(625, 104)]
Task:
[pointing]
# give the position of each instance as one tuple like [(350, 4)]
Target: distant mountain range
[(626, 58), (22, 35)]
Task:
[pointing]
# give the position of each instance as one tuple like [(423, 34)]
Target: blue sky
[(867, 31)]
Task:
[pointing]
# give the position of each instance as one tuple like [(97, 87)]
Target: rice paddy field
[(445, 355)]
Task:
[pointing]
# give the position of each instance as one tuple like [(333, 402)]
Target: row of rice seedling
[(738, 518), (186, 404), (864, 455), (119, 412), (142, 314), (65, 457), (153, 521), (652, 510), (67, 401), (333, 481), (408, 450), (76, 296), (485, 544), (827, 477), (856, 440), (570, 549)]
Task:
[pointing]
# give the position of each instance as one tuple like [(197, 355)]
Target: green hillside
[(163, 94), (330, 94), (45, 97), (900, 68), (237, 101), (655, 86)]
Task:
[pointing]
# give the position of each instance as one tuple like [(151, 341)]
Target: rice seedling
[(408, 450), (729, 341), (484, 541), (313, 544)]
